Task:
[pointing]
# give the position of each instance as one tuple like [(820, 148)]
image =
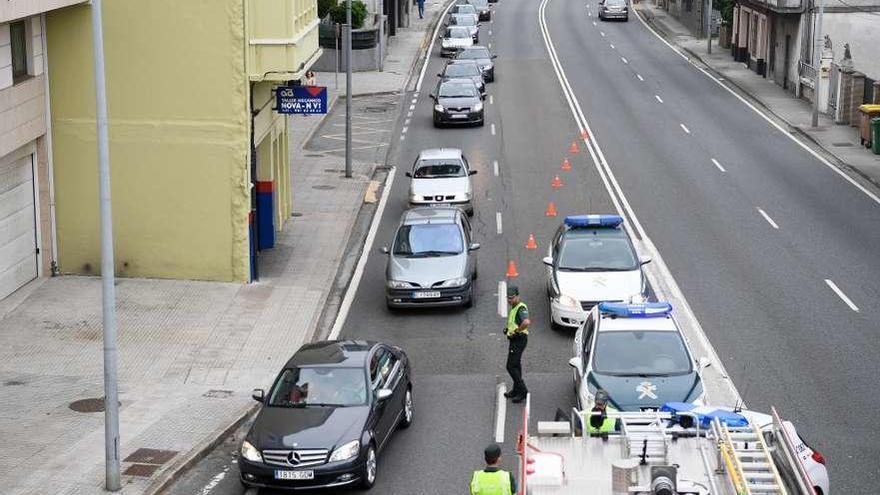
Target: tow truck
[(676, 450)]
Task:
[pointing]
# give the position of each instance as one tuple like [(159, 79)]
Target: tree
[(358, 13)]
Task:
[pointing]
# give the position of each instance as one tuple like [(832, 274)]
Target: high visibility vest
[(491, 483), (511, 320), (607, 425)]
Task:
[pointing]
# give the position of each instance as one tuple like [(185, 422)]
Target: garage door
[(18, 241)]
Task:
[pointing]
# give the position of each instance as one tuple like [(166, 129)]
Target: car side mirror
[(258, 395), (439, 74), (384, 250), (704, 362), (408, 174), (383, 394), (644, 260), (472, 172), (474, 246), (494, 57), (548, 260), (575, 363)]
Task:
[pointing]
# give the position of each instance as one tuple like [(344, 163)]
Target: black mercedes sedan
[(331, 410)]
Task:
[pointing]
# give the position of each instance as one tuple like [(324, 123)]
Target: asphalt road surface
[(776, 253)]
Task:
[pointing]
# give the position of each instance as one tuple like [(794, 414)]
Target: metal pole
[(348, 88), (111, 400), (336, 75), (817, 61), (709, 31)]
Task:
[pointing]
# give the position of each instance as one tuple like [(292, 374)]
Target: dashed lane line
[(841, 295), (769, 220), (658, 98), (640, 77), (684, 128), (492, 129), (624, 60), (715, 162), (498, 229), (495, 167)]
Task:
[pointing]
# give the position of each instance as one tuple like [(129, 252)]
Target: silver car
[(442, 176), (432, 261), (468, 21)]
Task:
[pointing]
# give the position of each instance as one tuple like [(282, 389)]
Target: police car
[(590, 260), (638, 355)]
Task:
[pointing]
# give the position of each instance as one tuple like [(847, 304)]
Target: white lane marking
[(414, 100), (416, 94), (500, 411), (769, 220), (489, 45), (624, 60), (492, 128), (412, 107), (431, 48), (589, 14), (406, 122), (502, 298), (345, 307), (210, 485), (403, 131), (611, 45), (663, 281), (841, 295), (402, 137), (490, 32), (640, 77), (658, 98), (685, 129), (498, 229), (409, 114), (715, 162), (495, 167), (766, 117), (602, 33), (594, 23), (491, 100)]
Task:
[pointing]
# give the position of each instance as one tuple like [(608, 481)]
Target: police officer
[(493, 480), (598, 420), (517, 332)]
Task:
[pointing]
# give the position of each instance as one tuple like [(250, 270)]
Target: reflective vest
[(511, 319), (491, 483), (607, 425)]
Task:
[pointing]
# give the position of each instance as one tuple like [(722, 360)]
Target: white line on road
[(685, 129), (431, 49), (412, 107), (590, 15), (489, 45), (490, 32), (414, 100), (491, 100), (209, 487), (602, 33), (409, 114), (492, 128), (495, 166), (402, 137), (406, 122), (345, 307), (714, 161), (624, 60), (658, 98), (498, 228), (403, 131), (841, 295), (594, 23), (502, 298), (769, 220), (611, 45), (640, 77), (500, 411)]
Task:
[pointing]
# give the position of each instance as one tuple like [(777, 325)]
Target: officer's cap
[(492, 453), (512, 290)]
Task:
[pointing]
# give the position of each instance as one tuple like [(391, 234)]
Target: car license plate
[(426, 294), (294, 475), (459, 116)]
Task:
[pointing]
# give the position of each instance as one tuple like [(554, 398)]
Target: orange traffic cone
[(574, 147), (557, 182), (551, 209), (531, 243), (566, 165), (511, 269), (585, 135)]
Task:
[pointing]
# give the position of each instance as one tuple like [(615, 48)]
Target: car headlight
[(346, 451), (250, 452), (397, 284), (439, 108), (455, 282), (467, 195), (568, 301), (479, 106)]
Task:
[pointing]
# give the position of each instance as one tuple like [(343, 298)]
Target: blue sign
[(301, 99)]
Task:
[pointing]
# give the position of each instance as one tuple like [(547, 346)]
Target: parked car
[(454, 39), (482, 8), (613, 9), (464, 69), (483, 58), (468, 21), (432, 260), (457, 101), (330, 412), (442, 176)]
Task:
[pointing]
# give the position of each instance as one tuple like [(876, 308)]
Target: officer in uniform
[(493, 480), (517, 332), (597, 419)]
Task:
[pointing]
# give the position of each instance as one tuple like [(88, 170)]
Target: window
[(381, 365), (319, 386), (638, 353), (18, 40), (424, 240)]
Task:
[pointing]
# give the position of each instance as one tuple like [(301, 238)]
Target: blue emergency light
[(593, 220), (639, 310)]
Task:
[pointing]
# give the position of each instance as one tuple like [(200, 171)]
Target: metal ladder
[(644, 436), (749, 464)]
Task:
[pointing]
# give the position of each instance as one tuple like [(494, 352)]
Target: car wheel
[(472, 296), (476, 272), (371, 467), (407, 419), (553, 325)]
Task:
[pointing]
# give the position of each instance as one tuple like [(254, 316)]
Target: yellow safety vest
[(491, 483), (511, 320), (607, 425)]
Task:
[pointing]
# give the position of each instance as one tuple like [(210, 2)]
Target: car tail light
[(818, 457)]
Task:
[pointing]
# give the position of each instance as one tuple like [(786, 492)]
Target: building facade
[(200, 168)]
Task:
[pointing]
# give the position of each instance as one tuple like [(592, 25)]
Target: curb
[(845, 167)]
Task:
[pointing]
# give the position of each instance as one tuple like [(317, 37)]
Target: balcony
[(282, 39), (11, 10), (781, 6)]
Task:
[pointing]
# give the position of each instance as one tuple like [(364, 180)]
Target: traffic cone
[(574, 147), (585, 135), (531, 243), (566, 165), (511, 269), (557, 182), (551, 209)]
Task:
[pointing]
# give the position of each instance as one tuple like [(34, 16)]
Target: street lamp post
[(348, 88), (709, 30), (817, 62), (111, 401)]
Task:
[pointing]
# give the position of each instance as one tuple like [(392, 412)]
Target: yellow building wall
[(179, 131), (273, 159)]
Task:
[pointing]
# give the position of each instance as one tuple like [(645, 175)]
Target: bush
[(324, 7), (358, 13)]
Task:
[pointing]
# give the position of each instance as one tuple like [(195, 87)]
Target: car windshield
[(464, 20), (425, 240), (319, 387), (479, 4), (597, 251), (438, 169), (464, 9), (461, 70), (458, 32), (639, 353), (616, 3), (474, 53), (457, 91)]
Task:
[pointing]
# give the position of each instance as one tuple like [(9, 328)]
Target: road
[(774, 251)]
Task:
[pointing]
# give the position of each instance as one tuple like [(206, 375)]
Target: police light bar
[(641, 310), (593, 220)]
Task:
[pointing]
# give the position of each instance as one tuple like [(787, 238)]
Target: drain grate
[(217, 394), (843, 145), (11, 383), (323, 187), (141, 470), (92, 405), (150, 456)]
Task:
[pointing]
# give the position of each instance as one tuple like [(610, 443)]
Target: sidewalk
[(189, 352), (840, 143)]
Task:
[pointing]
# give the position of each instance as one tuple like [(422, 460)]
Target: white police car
[(590, 260), (638, 355)]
